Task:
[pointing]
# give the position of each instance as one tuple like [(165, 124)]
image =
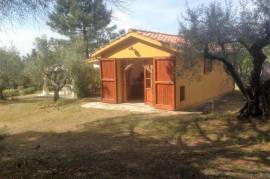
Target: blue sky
[(154, 15)]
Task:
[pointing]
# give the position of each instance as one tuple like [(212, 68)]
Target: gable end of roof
[(168, 41)]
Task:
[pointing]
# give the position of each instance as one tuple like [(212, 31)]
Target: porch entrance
[(149, 80), (137, 81)]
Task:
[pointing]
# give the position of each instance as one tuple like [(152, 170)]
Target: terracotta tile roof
[(161, 37)]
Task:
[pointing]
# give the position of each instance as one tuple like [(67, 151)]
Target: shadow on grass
[(37, 100), (128, 147), (22, 100)]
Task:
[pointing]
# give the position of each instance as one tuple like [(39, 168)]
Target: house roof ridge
[(148, 31)]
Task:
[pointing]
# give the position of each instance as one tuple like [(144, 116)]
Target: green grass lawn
[(41, 139)]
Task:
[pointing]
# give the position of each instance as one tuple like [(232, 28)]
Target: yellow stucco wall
[(134, 49), (200, 87)]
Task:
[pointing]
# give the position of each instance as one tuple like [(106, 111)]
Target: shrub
[(30, 90), (11, 92), (84, 79)]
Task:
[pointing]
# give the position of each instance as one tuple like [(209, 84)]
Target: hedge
[(16, 92), (30, 90), (11, 92)]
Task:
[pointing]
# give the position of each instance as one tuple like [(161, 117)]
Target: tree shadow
[(231, 102), (16, 101), (139, 146), (36, 100)]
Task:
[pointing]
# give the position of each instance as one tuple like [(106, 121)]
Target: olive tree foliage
[(221, 32), (10, 70), (18, 10), (82, 76), (42, 57), (243, 64)]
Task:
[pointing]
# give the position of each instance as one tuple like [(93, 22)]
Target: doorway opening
[(137, 80), (133, 73)]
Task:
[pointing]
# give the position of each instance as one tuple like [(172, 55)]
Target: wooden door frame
[(124, 81), (152, 83)]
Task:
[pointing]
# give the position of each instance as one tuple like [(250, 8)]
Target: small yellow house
[(143, 66)]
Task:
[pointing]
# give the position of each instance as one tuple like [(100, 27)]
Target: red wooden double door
[(159, 82)]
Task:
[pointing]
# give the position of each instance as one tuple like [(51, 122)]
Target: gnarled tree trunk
[(56, 95), (265, 97), (58, 78), (257, 93), (255, 106)]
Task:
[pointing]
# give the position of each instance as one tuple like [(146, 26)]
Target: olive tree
[(57, 75), (219, 32), (42, 57)]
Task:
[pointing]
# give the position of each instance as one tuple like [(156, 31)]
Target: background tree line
[(86, 24)]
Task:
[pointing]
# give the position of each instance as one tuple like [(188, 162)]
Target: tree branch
[(230, 68), (260, 44), (242, 42), (63, 83), (55, 85)]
